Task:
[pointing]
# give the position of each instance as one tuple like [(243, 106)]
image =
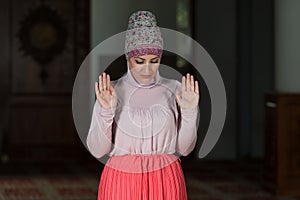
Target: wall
[(216, 32), (287, 45), (111, 17)]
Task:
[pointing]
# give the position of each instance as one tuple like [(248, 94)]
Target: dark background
[(237, 34)]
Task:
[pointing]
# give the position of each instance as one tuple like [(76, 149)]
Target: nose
[(147, 68)]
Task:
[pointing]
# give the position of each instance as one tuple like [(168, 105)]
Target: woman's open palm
[(189, 97), (105, 92)]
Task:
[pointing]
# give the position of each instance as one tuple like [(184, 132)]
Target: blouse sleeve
[(187, 130), (99, 139)]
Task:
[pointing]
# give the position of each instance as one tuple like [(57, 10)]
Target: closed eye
[(142, 61), (155, 61), (139, 62)]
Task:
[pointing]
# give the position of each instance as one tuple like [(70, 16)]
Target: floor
[(205, 181)]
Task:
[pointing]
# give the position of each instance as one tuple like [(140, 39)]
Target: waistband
[(139, 163)]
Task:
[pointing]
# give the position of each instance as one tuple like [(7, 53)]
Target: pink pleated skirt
[(142, 177)]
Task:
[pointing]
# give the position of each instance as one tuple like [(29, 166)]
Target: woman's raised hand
[(105, 92), (189, 97)]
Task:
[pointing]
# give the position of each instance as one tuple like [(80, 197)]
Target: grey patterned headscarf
[(143, 36)]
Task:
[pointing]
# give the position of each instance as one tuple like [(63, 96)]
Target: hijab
[(143, 37)]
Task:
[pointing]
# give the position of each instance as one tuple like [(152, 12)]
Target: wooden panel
[(271, 123), (40, 123), (293, 142), (40, 127), (42, 120), (4, 70), (282, 131)]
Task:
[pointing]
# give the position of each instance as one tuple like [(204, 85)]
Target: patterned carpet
[(205, 181)]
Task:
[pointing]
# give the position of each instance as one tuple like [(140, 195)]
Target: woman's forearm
[(99, 137), (187, 134)]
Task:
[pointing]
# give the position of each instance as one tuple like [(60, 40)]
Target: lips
[(146, 76)]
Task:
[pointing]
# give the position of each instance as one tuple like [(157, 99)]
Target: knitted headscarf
[(143, 36)]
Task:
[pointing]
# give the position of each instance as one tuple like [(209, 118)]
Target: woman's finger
[(104, 81), (192, 83), (108, 82), (183, 85), (97, 89), (100, 83), (196, 87), (112, 89), (188, 82)]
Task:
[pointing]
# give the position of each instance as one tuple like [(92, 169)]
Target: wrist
[(106, 111), (189, 111)]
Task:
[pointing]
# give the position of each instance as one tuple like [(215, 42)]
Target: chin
[(144, 82)]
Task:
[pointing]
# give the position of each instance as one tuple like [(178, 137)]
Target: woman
[(143, 121)]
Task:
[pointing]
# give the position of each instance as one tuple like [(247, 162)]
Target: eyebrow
[(145, 59)]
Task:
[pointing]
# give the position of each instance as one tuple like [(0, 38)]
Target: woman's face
[(144, 68)]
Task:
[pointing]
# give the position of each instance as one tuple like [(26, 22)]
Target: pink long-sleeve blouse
[(146, 121)]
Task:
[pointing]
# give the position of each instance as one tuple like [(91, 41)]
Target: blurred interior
[(255, 45)]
